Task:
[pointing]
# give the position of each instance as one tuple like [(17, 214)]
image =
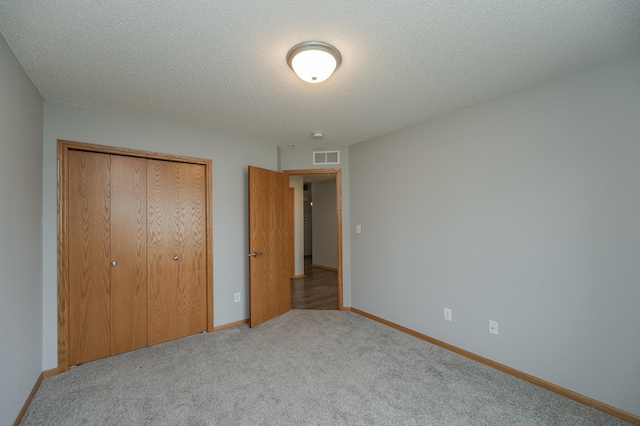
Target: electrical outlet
[(447, 314), (493, 327), (236, 297), (358, 229)]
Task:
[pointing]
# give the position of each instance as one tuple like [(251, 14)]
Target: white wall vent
[(326, 157)]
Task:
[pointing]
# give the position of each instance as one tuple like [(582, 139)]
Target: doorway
[(320, 285), (317, 289)]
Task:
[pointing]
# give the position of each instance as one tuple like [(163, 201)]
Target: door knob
[(175, 257), (256, 254), (114, 263)]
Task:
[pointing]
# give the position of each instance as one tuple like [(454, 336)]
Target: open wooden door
[(270, 254)]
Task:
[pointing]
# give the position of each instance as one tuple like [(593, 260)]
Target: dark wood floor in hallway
[(317, 290)]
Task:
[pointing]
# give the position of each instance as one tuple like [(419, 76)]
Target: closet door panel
[(129, 251), (176, 249), (165, 300), (89, 262), (192, 267)]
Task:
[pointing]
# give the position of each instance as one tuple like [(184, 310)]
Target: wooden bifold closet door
[(177, 255), (137, 252), (89, 253), (129, 251)]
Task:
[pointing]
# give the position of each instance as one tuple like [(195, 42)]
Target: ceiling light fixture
[(314, 61)]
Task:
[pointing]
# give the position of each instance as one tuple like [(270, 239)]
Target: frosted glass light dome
[(314, 61)]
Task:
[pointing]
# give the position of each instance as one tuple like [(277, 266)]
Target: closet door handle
[(114, 263), (175, 258), (256, 254)]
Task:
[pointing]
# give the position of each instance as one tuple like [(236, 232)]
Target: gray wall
[(230, 159), (301, 158), (20, 235), (524, 210), (324, 224)]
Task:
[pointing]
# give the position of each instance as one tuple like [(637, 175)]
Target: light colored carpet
[(305, 367)]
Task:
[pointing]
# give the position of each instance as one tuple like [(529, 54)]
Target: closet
[(135, 264)]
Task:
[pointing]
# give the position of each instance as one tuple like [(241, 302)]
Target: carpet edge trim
[(26, 404)]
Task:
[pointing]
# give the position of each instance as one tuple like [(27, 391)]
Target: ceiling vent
[(326, 157)]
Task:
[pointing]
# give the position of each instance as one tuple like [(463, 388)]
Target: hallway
[(317, 290)]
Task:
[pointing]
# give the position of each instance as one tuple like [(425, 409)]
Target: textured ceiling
[(220, 65)]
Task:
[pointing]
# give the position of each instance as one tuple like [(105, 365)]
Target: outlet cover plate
[(447, 314), (493, 327)]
